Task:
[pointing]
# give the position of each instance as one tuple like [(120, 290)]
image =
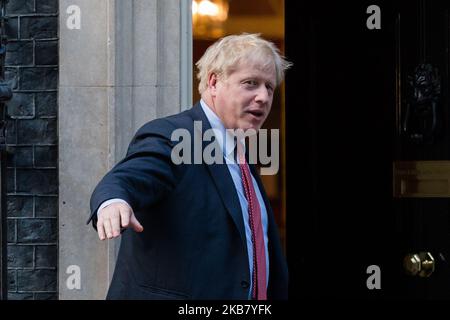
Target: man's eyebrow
[(257, 77)]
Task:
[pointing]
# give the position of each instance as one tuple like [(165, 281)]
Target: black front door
[(368, 149)]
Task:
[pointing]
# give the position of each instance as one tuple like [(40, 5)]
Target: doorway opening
[(213, 19)]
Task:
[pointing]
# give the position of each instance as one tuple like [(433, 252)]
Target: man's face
[(244, 98)]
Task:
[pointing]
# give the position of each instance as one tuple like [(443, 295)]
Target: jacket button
[(245, 284)]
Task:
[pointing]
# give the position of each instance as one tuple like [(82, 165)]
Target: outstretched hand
[(114, 217)]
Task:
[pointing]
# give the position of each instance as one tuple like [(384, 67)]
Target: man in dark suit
[(199, 230)]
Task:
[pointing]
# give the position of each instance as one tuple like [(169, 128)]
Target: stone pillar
[(126, 65)]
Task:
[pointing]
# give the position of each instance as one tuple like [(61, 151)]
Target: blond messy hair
[(225, 55)]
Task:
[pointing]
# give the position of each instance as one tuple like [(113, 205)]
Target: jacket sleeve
[(145, 175)]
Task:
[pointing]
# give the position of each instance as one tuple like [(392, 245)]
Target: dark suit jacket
[(193, 245)]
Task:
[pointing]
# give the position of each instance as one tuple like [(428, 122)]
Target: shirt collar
[(219, 128)]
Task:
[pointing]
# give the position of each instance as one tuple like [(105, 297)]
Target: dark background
[(342, 138)]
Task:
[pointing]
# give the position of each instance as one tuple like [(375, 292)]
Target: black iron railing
[(5, 95)]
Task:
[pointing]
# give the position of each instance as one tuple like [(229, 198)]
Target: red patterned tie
[(259, 291)]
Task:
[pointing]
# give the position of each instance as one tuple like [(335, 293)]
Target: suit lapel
[(222, 179), (225, 185)]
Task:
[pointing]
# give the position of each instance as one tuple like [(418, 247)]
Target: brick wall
[(32, 184)]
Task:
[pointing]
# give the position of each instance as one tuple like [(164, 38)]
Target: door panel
[(346, 98)]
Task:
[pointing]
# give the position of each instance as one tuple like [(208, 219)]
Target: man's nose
[(262, 94)]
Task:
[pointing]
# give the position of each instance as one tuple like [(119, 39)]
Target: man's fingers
[(114, 218), (115, 224), (108, 228), (100, 230), (136, 224), (125, 217)]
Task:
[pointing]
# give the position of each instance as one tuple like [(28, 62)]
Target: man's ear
[(212, 83)]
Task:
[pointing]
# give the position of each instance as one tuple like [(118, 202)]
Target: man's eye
[(251, 82)]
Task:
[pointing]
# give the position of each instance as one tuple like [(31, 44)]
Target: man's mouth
[(256, 113)]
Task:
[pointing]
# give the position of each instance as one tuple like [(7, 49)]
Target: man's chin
[(253, 125), (250, 128)]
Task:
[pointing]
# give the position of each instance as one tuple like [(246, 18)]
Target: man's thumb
[(136, 224)]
